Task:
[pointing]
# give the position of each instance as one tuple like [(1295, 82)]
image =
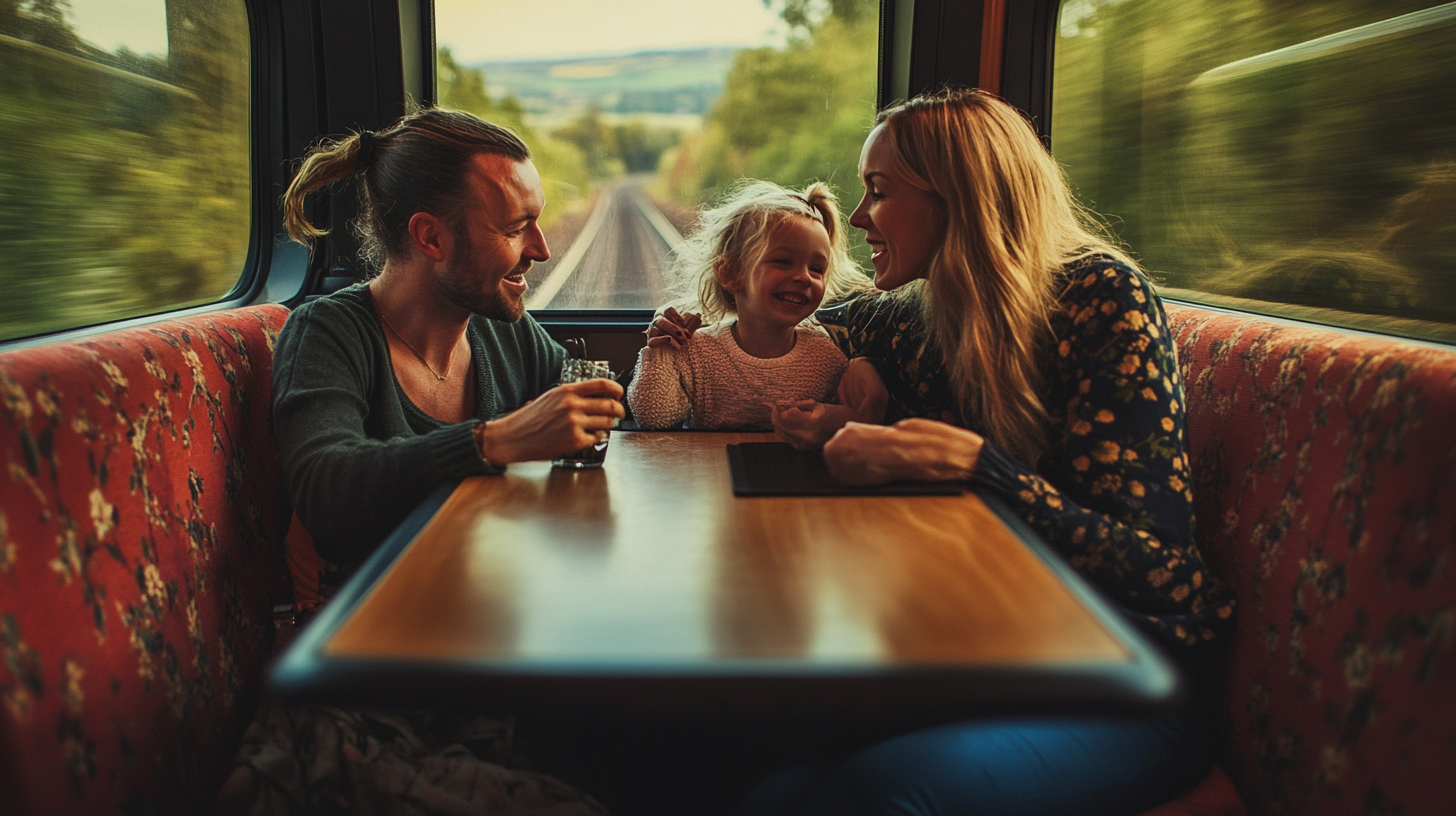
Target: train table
[(647, 586)]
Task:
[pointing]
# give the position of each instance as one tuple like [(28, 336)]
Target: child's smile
[(787, 285)]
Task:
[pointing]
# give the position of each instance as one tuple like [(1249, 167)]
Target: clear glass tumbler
[(573, 371)]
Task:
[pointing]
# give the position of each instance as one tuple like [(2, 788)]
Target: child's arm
[(862, 398), (658, 394)]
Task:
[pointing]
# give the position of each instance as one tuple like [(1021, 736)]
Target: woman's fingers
[(672, 328), (910, 450), (853, 455)]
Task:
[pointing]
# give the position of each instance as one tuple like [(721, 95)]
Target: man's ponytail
[(329, 162), (422, 163)]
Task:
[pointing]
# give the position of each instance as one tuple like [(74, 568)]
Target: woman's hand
[(807, 425), (863, 392), (911, 450), (672, 329), (567, 418)]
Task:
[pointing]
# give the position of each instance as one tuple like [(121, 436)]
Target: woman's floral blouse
[(1112, 491)]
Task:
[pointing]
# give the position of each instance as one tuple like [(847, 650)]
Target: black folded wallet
[(776, 469)]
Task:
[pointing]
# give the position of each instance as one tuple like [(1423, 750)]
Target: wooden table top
[(648, 580)]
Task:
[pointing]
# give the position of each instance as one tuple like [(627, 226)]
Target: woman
[(1025, 354)]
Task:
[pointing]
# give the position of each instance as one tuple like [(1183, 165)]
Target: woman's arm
[(658, 394), (1112, 492)]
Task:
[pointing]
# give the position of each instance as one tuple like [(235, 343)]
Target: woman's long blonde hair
[(1012, 227), (732, 237)]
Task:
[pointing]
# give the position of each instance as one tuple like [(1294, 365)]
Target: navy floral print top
[(1111, 493)]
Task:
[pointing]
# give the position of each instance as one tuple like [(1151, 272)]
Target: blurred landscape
[(1293, 152), (1299, 154), (125, 178)]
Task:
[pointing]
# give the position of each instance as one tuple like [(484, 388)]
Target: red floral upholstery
[(141, 520), (1325, 483)]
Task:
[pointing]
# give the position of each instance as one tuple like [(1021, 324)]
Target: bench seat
[(142, 514), (142, 517), (1324, 470)]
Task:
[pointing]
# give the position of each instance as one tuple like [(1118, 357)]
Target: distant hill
[(657, 82)]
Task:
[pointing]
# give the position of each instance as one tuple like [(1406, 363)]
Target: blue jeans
[(1084, 765)]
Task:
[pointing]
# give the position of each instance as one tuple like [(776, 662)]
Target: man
[(431, 371)]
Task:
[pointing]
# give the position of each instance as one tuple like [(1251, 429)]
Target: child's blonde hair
[(733, 237)]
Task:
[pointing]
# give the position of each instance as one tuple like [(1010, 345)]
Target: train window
[(637, 111), (125, 177), (1295, 158)]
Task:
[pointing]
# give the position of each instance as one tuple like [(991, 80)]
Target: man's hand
[(673, 329), (862, 398), (567, 418), (911, 450)]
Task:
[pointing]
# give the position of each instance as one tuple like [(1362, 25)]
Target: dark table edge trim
[(302, 664), (1146, 682)]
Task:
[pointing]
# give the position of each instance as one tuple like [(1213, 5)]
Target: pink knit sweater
[(712, 383)]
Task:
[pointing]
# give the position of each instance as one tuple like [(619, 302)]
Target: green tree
[(596, 141), (564, 168), (641, 147), (121, 195), (791, 115), (1239, 154), (464, 88)]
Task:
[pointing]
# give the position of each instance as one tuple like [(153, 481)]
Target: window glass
[(1296, 157), (637, 111), (124, 179)]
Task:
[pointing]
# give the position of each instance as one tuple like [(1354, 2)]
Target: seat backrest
[(141, 523), (1325, 485)]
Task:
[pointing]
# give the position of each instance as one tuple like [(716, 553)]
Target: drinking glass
[(574, 371)]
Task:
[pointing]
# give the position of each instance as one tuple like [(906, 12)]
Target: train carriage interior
[(1284, 169)]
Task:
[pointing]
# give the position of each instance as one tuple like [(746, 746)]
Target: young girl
[(756, 269)]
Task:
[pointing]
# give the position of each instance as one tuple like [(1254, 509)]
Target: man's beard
[(461, 287)]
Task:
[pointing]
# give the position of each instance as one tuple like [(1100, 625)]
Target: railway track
[(617, 260)]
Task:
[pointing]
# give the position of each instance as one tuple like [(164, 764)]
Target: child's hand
[(672, 329), (862, 398), (807, 425)]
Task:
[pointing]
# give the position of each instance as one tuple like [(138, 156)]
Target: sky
[(140, 25), (480, 30)]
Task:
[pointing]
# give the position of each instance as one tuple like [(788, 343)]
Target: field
[(673, 88)]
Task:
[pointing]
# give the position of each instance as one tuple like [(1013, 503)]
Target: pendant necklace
[(450, 363)]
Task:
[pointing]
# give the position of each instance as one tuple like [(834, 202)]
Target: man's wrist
[(488, 446)]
